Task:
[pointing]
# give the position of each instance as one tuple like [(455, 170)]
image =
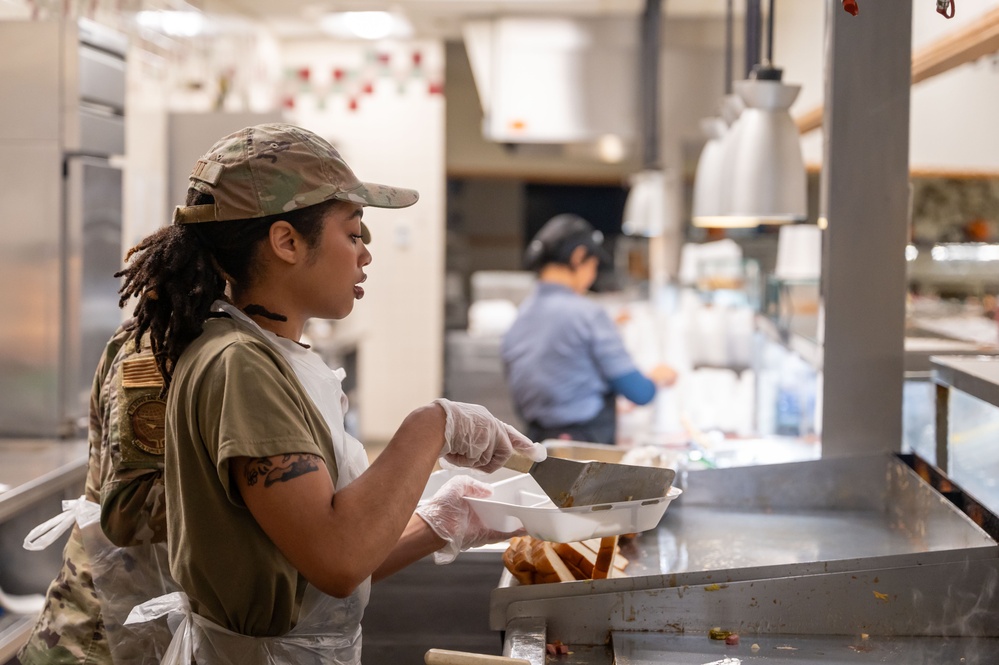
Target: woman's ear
[(284, 241), (578, 256)]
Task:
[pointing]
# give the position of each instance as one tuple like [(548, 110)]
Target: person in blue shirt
[(564, 359)]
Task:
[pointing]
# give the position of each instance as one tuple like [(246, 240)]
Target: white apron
[(328, 629), (123, 577)]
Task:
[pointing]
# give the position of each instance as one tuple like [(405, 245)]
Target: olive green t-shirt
[(233, 395)]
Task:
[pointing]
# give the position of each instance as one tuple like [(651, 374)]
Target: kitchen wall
[(384, 109), (953, 119), (952, 116), (386, 116)]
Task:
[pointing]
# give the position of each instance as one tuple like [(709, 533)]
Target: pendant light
[(767, 169), (707, 202), (712, 187), (650, 209)]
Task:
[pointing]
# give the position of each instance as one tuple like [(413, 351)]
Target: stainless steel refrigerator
[(62, 100)]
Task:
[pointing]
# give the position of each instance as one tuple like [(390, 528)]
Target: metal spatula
[(571, 483)]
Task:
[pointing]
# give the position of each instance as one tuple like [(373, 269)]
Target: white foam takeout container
[(518, 501)]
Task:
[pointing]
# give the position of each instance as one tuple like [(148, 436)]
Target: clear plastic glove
[(473, 437), (451, 517)]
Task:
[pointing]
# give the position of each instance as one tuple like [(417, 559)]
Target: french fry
[(605, 557), (534, 561)]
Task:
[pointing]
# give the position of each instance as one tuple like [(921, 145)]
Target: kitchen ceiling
[(440, 19)]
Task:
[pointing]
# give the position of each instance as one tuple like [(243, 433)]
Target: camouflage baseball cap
[(276, 168)]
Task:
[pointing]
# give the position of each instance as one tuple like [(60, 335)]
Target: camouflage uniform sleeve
[(95, 431), (133, 507), (70, 629)]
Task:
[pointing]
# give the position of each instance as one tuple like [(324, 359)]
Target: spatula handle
[(518, 462), (444, 657)]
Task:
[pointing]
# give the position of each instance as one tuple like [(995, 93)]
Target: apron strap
[(75, 510)]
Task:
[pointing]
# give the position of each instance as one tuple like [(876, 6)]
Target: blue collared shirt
[(561, 356)]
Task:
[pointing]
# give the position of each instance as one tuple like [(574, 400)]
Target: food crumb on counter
[(732, 639), (754, 648), (556, 648), (717, 633)]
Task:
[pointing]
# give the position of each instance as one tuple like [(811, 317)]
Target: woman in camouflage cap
[(276, 526)]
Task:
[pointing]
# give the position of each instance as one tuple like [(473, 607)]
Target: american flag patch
[(140, 372)]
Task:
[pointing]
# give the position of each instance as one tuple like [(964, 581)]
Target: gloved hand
[(473, 437), (452, 518)]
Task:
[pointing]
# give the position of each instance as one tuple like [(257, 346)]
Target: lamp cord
[(770, 33), (729, 13)]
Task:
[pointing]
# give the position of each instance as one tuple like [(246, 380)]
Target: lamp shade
[(799, 252), (721, 216), (708, 178), (767, 169), (651, 207), (731, 108), (710, 208)]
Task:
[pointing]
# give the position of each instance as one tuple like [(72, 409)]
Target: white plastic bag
[(328, 633), (123, 578)]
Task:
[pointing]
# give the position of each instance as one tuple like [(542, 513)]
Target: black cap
[(557, 239)]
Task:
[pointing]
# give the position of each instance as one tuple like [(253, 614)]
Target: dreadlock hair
[(180, 270)]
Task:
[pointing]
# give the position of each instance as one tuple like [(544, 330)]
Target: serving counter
[(36, 475), (855, 559)]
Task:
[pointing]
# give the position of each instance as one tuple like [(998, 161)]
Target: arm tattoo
[(280, 469)]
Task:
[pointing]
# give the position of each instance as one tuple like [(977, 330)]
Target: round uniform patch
[(147, 416)]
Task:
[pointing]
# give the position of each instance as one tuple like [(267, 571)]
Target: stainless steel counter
[(976, 375), (662, 649), (648, 649), (37, 475), (811, 550), (34, 468), (919, 351)]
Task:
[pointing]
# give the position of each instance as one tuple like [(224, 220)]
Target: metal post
[(943, 427), (865, 195), (649, 83)]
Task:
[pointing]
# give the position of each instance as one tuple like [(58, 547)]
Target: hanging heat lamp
[(767, 168), (706, 206), (711, 180), (761, 178)]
